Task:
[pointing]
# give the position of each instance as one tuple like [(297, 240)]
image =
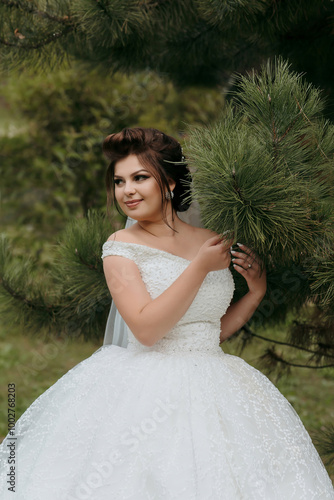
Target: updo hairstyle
[(160, 154)]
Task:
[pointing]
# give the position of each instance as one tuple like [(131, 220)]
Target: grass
[(10, 125), (34, 364)]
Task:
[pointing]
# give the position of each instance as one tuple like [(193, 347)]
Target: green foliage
[(193, 41), (78, 273), (115, 20), (261, 171), (25, 299), (322, 273), (325, 443), (72, 298), (54, 158), (266, 172)]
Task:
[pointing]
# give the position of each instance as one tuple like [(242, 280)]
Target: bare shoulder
[(205, 234), (130, 234), (118, 260), (125, 235)]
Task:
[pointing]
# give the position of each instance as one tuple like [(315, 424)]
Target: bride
[(171, 416)]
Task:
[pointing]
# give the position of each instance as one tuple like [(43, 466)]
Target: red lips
[(132, 202)]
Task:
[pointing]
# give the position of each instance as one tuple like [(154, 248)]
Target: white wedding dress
[(179, 420)]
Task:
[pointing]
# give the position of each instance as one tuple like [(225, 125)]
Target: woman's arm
[(238, 314), (249, 266), (150, 320)]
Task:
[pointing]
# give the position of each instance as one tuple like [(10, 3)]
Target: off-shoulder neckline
[(146, 246)]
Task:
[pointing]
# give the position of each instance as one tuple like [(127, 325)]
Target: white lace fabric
[(180, 420), (199, 328), (180, 340)]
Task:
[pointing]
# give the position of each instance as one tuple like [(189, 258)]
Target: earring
[(168, 197)]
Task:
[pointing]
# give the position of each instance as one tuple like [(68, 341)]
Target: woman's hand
[(248, 264), (214, 254)]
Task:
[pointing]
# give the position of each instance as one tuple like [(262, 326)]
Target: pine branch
[(324, 441), (30, 9), (33, 46), (271, 361), (75, 300), (192, 41), (310, 123), (45, 27), (105, 11), (17, 295), (247, 329), (79, 272), (289, 129), (323, 281), (8, 44), (21, 300), (271, 356), (264, 121), (84, 262)]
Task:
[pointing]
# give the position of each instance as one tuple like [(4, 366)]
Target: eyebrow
[(134, 173)]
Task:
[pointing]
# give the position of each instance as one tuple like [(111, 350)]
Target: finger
[(253, 259), (224, 241), (229, 236), (247, 250), (230, 242), (247, 266), (244, 256), (226, 244), (240, 270), (229, 233), (214, 240)]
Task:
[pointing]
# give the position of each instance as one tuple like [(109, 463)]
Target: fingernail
[(240, 244), (233, 260), (233, 251)]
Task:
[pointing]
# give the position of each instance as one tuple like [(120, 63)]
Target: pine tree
[(266, 172), (72, 299), (196, 41)]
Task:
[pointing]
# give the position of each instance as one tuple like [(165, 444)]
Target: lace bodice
[(199, 329)]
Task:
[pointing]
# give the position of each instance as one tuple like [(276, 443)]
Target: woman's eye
[(141, 176), (137, 177)]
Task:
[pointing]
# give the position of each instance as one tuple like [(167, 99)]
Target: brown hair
[(161, 154)]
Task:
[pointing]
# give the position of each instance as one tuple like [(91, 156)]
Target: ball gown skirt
[(179, 420)]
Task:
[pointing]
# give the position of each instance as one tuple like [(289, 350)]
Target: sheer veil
[(116, 329)]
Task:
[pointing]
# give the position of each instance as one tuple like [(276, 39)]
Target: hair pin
[(177, 162)]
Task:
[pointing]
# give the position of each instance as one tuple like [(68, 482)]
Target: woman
[(171, 416)]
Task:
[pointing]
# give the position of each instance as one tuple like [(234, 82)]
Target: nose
[(129, 187)]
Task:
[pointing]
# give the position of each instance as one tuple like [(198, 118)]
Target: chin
[(143, 216), (134, 216)]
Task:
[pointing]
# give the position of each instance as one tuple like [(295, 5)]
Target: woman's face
[(134, 182)]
